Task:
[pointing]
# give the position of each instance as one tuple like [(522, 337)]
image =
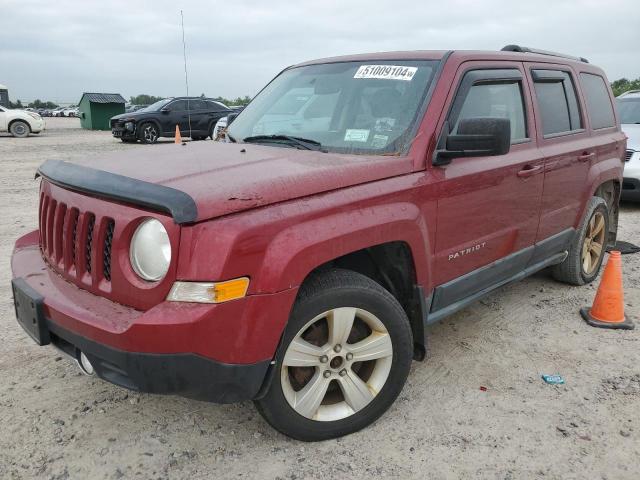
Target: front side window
[(154, 107), (557, 102), (598, 102), (502, 100), (629, 109), (350, 107)]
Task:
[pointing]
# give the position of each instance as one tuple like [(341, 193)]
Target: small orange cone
[(608, 306), (178, 139)]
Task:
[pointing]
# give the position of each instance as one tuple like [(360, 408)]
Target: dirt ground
[(56, 423)]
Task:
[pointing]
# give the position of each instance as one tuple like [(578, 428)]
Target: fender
[(299, 249), (599, 173)]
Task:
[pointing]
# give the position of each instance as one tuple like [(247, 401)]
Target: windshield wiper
[(305, 143)]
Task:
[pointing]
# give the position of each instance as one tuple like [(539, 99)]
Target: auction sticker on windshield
[(386, 72)]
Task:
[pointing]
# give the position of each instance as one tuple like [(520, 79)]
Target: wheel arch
[(605, 181), (23, 120), (387, 243)]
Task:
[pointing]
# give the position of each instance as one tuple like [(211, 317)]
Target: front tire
[(20, 129), (149, 133), (587, 249), (344, 358)]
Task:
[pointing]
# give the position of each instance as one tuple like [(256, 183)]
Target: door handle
[(529, 170), (585, 157)]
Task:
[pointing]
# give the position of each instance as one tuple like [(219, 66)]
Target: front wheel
[(20, 129), (344, 358), (149, 133)]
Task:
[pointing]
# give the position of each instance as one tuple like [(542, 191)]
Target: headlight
[(35, 115), (150, 250), (128, 126)]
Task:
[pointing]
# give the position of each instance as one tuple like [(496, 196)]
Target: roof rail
[(518, 48)]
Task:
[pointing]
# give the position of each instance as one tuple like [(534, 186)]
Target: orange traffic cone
[(608, 306), (178, 139)]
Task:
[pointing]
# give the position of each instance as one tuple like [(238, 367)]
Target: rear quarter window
[(598, 101)]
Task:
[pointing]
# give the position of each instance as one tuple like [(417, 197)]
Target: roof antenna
[(186, 77)]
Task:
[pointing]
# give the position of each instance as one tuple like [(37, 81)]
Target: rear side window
[(557, 102), (196, 105), (598, 101), (503, 100), (178, 106)]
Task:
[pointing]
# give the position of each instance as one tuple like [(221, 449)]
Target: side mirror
[(165, 109), (231, 117), (476, 137)]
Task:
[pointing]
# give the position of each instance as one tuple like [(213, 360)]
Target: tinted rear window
[(598, 101), (557, 102)]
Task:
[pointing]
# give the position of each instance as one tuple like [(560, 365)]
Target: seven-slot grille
[(68, 240), (628, 155)]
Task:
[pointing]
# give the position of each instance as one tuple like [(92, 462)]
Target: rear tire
[(20, 129), (344, 358), (588, 246)]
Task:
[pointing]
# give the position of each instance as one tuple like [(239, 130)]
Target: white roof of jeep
[(630, 94)]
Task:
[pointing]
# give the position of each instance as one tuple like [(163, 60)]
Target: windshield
[(629, 109), (154, 107), (348, 107)]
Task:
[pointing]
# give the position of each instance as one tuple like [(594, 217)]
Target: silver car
[(629, 108)]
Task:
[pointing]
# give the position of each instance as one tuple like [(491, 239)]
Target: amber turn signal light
[(209, 292)]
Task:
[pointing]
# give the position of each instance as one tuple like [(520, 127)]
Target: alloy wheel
[(336, 364), (593, 245), (150, 134)]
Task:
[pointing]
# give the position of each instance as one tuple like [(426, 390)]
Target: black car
[(196, 117)]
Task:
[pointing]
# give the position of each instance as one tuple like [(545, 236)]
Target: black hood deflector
[(111, 186)]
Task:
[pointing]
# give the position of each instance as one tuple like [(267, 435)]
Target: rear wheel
[(20, 129), (587, 249), (344, 359), (149, 133)]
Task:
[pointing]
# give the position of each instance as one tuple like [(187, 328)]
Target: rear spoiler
[(123, 189)]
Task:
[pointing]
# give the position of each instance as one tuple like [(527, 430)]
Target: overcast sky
[(56, 49)]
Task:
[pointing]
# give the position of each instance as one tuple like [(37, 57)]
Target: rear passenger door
[(174, 114), (564, 143), (198, 112), (488, 207)]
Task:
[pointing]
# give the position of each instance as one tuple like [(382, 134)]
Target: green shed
[(96, 109)]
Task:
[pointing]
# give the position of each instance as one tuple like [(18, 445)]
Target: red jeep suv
[(356, 201)]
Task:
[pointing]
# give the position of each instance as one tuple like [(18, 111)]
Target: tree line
[(619, 86)]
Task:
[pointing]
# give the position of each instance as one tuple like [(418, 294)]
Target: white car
[(629, 108), (218, 130), (20, 123)]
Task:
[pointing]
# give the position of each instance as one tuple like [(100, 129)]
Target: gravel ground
[(59, 424)]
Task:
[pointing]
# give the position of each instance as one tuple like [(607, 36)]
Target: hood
[(633, 133), (224, 178), (135, 115)]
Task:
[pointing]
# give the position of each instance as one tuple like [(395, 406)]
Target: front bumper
[(118, 130), (219, 353), (182, 374)]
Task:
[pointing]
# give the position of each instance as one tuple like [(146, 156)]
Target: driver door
[(488, 207)]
